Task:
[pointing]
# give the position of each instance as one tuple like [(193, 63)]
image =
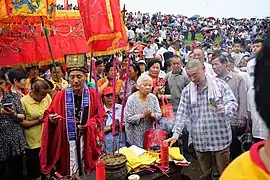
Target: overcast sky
[(217, 8)]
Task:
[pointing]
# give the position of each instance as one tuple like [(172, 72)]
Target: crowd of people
[(50, 115)]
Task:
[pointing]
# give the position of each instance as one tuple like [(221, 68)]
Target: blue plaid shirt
[(209, 131)]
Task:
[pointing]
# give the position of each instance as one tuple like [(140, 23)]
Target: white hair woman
[(141, 109)]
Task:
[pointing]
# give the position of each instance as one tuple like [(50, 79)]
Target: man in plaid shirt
[(209, 119)]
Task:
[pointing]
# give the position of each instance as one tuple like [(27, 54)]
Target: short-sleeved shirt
[(12, 141), (33, 111)]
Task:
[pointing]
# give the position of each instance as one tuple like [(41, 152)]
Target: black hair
[(106, 60), (28, 69), (98, 62), (57, 64), (223, 59), (108, 66), (154, 61), (16, 74), (2, 74), (257, 41), (262, 79), (6, 69), (136, 68)]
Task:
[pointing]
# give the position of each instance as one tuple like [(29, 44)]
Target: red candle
[(165, 155), (58, 175), (100, 170)]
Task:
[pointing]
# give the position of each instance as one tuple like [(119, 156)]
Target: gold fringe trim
[(104, 37), (109, 52), (42, 63)]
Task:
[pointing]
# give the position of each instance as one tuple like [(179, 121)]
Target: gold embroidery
[(110, 16)]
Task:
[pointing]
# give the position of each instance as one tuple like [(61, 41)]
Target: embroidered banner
[(70, 111), (23, 45), (26, 11), (103, 26)]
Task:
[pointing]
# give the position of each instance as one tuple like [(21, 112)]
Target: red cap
[(107, 90)]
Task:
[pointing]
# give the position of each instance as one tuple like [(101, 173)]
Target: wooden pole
[(50, 48)]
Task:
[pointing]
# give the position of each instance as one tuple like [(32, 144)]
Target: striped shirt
[(209, 131)]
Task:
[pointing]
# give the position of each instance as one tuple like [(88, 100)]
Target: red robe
[(54, 150)]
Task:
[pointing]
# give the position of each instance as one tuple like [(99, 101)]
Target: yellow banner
[(19, 10)]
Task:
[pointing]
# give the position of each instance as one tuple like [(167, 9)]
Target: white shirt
[(138, 31), (154, 46), (163, 33), (148, 52), (160, 52), (259, 129), (209, 69), (237, 57), (246, 77), (131, 34), (251, 68)]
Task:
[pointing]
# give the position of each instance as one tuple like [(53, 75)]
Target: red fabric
[(24, 90), (54, 150), (102, 37), (67, 37), (153, 137), (167, 109), (255, 156)]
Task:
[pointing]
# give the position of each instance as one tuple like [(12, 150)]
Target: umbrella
[(17, 15), (212, 18), (207, 29), (28, 44), (233, 19), (195, 17)]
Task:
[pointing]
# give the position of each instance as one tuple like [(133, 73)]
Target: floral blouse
[(12, 141)]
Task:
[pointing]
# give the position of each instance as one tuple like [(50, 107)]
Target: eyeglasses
[(109, 95)]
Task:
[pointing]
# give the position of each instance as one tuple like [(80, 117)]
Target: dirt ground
[(193, 170)]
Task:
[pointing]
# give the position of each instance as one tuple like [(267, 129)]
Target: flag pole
[(50, 47)]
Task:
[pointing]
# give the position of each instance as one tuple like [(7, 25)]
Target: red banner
[(103, 26), (24, 45)]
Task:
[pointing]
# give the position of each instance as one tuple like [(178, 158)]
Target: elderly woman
[(12, 142), (142, 108)]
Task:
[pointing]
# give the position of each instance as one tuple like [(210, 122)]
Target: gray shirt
[(136, 127), (238, 86), (177, 82)]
